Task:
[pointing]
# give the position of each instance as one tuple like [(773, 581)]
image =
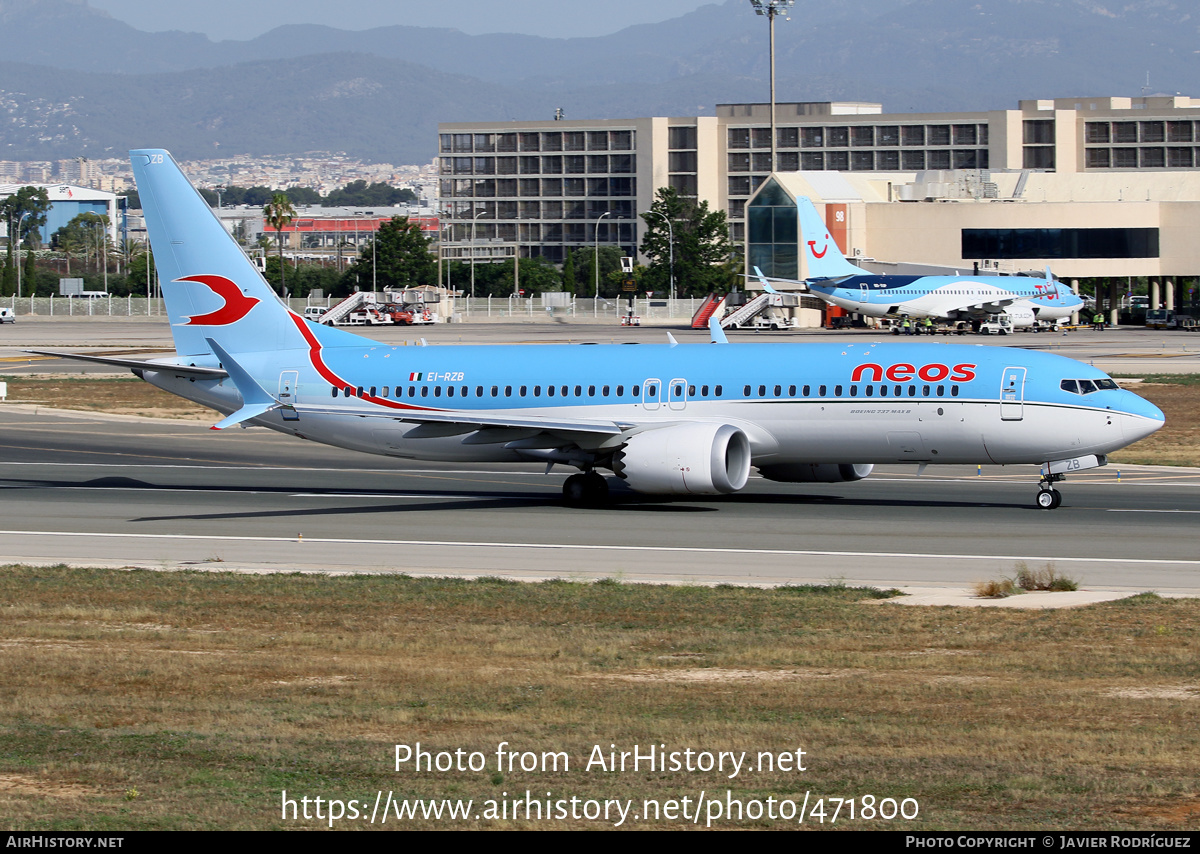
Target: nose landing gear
[(1048, 498)]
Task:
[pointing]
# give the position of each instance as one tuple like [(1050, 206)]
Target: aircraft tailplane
[(211, 288), (825, 260)]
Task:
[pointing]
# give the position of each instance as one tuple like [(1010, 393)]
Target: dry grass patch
[(119, 394), (1178, 442), (210, 693)]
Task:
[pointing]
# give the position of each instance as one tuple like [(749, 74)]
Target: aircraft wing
[(478, 421), (138, 364)]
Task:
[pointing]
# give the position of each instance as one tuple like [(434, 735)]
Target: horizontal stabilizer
[(256, 400), (138, 364)]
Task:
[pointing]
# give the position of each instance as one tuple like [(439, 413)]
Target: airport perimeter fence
[(465, 309)]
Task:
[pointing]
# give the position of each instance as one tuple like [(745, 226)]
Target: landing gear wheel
[(1049, 499), (585, 490)]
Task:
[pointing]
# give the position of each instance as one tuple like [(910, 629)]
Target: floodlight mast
[(771, 8)]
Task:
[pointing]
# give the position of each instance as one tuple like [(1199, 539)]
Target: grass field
[(192, 700)]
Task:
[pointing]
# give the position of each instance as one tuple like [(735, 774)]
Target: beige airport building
[(1092, 187)]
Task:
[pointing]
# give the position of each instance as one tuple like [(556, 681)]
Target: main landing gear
[(588, 489), (1048, 498)]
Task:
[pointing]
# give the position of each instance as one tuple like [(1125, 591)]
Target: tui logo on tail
[(237, 305)]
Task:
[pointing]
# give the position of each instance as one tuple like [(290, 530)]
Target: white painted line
[(613, 548)]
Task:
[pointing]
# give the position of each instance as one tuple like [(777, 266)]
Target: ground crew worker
[(907, 326)]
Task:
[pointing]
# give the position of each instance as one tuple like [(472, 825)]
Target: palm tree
[(278, 213)]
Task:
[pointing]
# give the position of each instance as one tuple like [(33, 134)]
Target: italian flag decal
[(414, 378)]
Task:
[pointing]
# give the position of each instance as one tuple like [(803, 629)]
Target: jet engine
[(695, 459), (815, 472)]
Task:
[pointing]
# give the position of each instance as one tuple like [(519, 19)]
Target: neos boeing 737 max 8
[(673, 419), (1024, 299)]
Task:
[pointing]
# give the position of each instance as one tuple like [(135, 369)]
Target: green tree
[(33, 201), (568, 273), (403, 260), (706, 259), (610, 269), (278, 214), (8, 282), (28, 273)]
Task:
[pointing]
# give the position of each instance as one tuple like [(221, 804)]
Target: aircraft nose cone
[(1144, 417)]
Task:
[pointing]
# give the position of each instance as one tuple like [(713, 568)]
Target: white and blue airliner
[(667, 419), (1025, 300)]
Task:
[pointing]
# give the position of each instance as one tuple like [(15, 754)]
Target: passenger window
[(806, 390), (449, 391), (564, 391), (465, 391), (718, 391), (621, 391), (496, 389), (678, 391), (437, 391), (412, 391), (360, 391), (424, 391), (883, 391), (912, 391), (941, 391), (523, 390), (549, 391), (778, 390), (925, 391), (691, 391), (335, 391), (762, 391), (854, 391), (591, 391), (837, 391), (373, 391), (791, 391), (704, 391), (820, 391), (604, 391), (633, 392), (651, 391), (537, 391), (385, 391), (954, 391), (508, 391), (746, 391), (479, 391), (870, 390), (899, 390)]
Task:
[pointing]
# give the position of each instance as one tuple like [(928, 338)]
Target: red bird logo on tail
[(237, 305)]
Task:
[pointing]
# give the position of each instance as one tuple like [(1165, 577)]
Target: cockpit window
[(1087, 386)]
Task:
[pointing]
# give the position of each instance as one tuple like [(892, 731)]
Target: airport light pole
[(18, 233), (596, 262), (769, 9), (670, 247)]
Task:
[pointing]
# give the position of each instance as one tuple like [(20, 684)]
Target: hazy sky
[(245, 19)]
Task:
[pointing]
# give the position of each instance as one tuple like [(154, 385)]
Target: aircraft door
[(650, 394), (288, 380), (1012, 394), (677, 395)]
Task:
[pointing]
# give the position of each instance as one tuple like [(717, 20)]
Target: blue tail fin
[(211, 288), (821, 253)]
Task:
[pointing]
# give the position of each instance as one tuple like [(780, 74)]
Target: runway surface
[(98, 491)]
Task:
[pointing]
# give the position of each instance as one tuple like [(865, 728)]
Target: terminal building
[(1093, 187)]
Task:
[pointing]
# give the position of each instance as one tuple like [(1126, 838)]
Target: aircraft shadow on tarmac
[(429, 500)]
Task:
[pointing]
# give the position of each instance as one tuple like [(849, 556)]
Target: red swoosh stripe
[(314, 356)]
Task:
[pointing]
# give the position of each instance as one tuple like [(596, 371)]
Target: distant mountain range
[(74, 81)]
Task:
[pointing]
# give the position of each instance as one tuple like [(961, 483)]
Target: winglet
[(671, 339), (715, 330), (763, 281), (256, 400)]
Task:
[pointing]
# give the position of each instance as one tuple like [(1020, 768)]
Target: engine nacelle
[(815, 472), (685, 459)]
